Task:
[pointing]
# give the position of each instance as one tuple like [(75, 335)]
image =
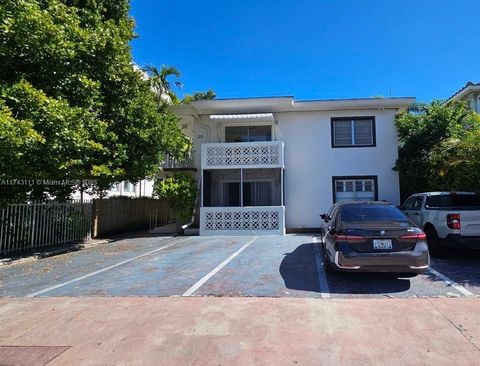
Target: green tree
[(160, 83), (208, 95), (72, 106), (438, 145)]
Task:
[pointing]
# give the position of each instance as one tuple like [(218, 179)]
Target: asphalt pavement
[(153, 300), (263, 266)]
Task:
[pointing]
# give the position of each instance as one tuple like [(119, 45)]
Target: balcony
[(172, 163), (243, 155)]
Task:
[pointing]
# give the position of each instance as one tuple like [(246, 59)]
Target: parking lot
[(263, 266)]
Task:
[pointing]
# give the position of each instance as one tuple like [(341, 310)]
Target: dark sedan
[(372, 237)]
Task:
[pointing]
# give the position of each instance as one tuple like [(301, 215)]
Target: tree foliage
[(439, 148), (72, 106), (208, 95), (180, 190), (160, 82)]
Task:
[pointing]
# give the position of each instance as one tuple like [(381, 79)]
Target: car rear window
[(453, 200), (355, 213)]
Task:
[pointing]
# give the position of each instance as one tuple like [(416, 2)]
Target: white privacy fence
[(27, 226)]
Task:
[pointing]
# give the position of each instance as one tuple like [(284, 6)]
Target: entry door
[(231, 194)]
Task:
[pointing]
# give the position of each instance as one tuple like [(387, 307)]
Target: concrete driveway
[(264, 266), (232, 301)]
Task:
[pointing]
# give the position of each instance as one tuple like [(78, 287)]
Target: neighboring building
[(470, 93), (143, 188), (267, 165)]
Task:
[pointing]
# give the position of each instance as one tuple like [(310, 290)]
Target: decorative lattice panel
[(242, 220), (242, 154)]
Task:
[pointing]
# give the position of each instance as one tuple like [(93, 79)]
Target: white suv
[(450, 219)]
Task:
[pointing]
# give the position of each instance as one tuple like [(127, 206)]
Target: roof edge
[(465, 90), (288, 104)]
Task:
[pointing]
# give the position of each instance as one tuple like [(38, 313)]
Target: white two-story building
[(268, 165)]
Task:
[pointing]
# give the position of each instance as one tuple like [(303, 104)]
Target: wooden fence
[(34, 225), (121, 214)]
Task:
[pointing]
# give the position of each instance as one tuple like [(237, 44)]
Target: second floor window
[(248, 133), (353, 132)]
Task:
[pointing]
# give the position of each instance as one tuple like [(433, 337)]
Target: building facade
[(470, 94), (268, 165)]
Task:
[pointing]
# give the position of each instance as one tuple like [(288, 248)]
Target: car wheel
[(433, 242)]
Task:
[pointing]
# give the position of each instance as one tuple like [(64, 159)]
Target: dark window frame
[(332, 135), (354, 177), (247, 126)]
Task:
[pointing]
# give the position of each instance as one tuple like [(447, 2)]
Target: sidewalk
[(239, 331)]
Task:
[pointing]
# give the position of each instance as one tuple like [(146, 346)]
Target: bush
[(180, 191), (439, 148)]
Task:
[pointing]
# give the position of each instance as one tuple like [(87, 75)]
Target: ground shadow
[(368, 283), (299, 272), (137, 234), (460, 265)]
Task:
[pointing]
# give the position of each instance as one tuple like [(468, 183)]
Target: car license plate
[(382, 244)]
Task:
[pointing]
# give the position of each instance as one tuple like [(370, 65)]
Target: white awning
[(249, 116)]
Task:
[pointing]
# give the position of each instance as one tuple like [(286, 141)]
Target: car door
[(412, 208)]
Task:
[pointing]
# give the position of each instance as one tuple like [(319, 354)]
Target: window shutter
[(342, 133), (363, 132)]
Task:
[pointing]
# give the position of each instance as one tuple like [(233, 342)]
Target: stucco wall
[(310, 161)]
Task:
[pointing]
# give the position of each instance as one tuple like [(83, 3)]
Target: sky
[(313, 49)]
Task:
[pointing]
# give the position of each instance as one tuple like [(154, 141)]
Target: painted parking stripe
[(322, 279), (202, 281), (450, 282), (51, 288)]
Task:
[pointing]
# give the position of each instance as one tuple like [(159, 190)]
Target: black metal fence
[(28, 226)]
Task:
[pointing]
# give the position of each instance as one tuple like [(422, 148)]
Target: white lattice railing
[(268, 154), (242, 220)]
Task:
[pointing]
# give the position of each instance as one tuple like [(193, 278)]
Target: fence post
[(94, 218)]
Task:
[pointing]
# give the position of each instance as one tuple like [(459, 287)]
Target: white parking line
[(322, 279), (450, 282), (51, 288), (204, 279)]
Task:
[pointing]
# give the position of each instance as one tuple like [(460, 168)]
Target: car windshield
[(355, 213), (453, 200)]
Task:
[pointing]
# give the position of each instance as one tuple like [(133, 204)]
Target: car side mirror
[(323, 216)]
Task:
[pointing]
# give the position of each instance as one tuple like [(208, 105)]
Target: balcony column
[(281, 187), (241, 187), (201, 187)]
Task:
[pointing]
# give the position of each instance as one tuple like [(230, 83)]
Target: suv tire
[(433, 241)]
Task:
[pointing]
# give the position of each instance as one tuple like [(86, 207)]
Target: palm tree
[(160, 83)]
